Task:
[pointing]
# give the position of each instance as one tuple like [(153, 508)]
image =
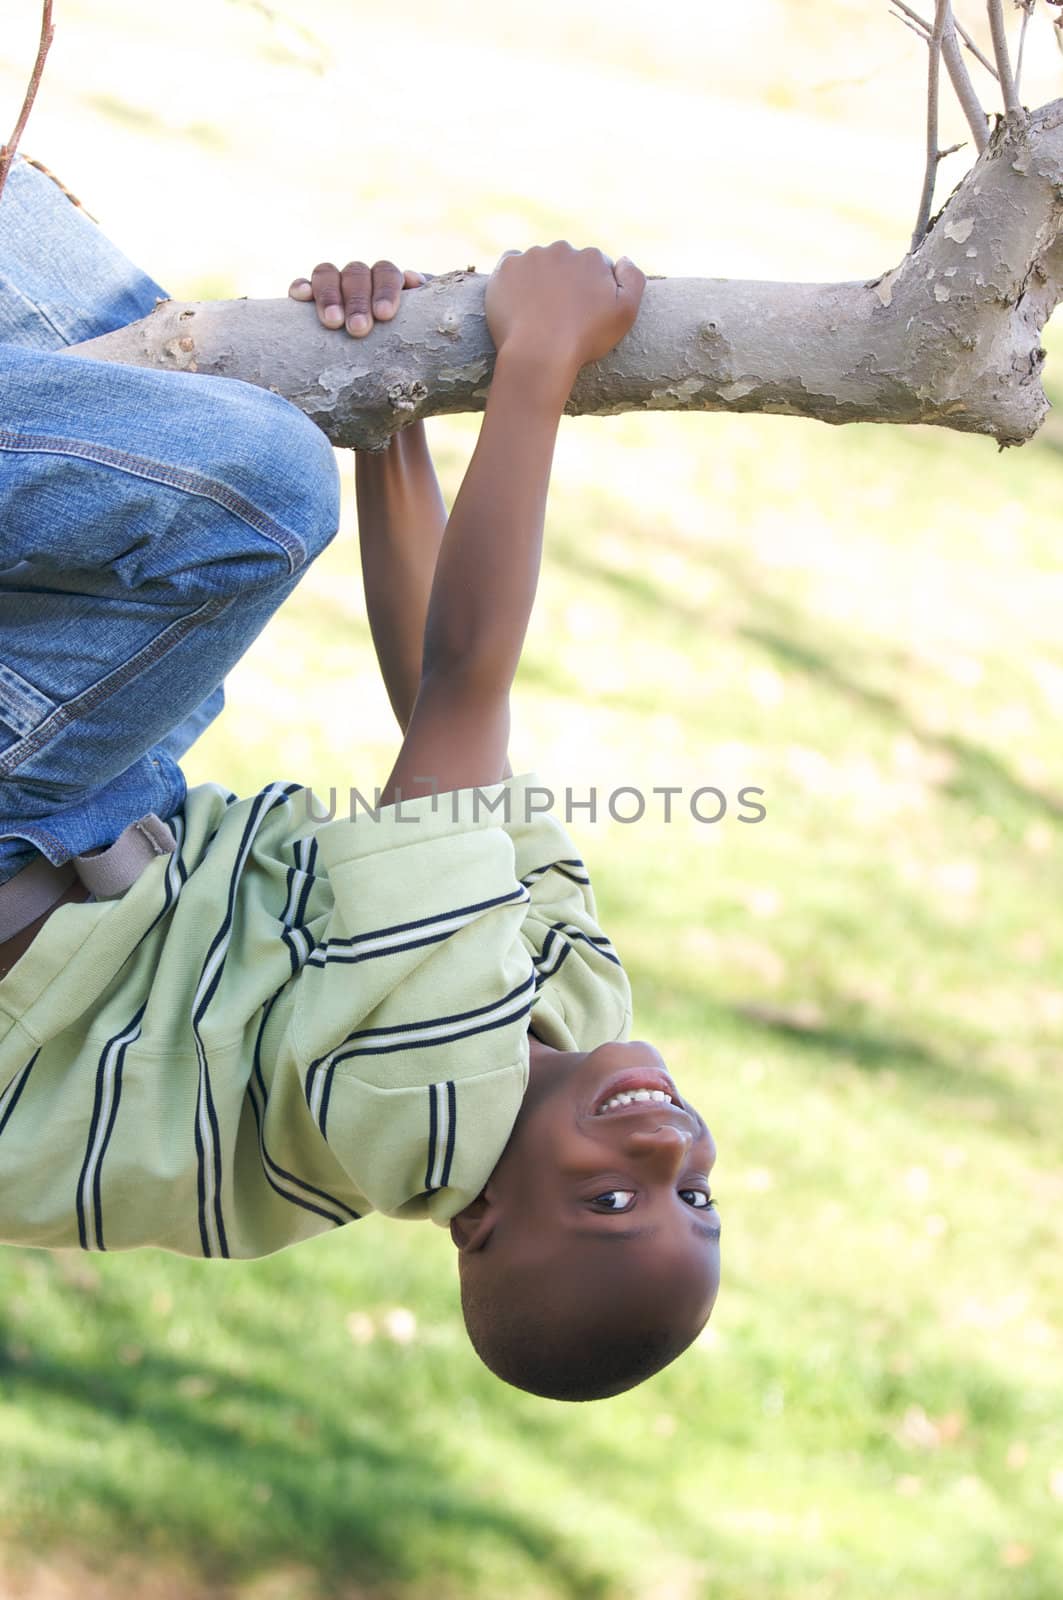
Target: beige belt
[(106, 874)]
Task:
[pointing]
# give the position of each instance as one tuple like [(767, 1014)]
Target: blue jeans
[(150, 524)]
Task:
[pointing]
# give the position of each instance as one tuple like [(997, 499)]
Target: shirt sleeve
[(582, 994), (405, 1048)]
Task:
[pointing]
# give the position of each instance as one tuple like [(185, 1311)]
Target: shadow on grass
[(637, 588), (869, 1048), (349, 1490), (364, 1508), (838, 1033), (981, 779)]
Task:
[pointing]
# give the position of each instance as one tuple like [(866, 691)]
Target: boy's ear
[(473, 1226)]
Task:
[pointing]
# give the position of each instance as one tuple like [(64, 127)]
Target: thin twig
[(921, 24), (951, 149), (7, 151), (1027, 13), (920, 33), (926, 199), (966, 93), (1012, 103), (960, 29), (957, 69)]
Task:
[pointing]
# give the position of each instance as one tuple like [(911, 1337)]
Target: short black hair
[(570, 1358)]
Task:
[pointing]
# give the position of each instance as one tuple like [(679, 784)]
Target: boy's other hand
[(562, 304), (356, 296)]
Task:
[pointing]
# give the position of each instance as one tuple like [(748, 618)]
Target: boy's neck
[(543, 1057)]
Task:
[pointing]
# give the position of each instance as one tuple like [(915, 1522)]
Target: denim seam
[(173, 477), (18, 698), (36, 834), (12, 288), (102, 690)]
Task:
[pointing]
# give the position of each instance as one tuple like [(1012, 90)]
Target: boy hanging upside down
[(225, 1026)]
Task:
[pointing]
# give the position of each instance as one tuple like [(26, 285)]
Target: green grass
[(863, 990)]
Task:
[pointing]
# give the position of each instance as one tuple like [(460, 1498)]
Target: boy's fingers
[(325, 287), (632, 279), (356, 282), (387, 286), (504, 256), (357, 294)]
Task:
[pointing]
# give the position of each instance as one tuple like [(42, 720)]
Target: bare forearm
[(488, 564), (457, 739), (401, 519), (485, 582), (549, 311)]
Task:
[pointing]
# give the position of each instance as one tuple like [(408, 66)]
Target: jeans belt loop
[(107, 874)]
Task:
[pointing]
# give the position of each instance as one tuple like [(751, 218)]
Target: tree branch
[(960, 78), (950, 337), (942, 9), (1012, 103), (960, 29), (7, 151), (952, 56)]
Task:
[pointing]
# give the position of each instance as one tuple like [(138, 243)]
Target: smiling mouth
[(640, 1097), (639, 1088)]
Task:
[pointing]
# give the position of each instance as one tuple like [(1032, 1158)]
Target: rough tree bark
[(950, 336)]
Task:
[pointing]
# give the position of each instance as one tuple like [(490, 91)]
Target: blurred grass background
[(864, 991)]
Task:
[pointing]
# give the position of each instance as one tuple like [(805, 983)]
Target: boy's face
[(621, 1183)]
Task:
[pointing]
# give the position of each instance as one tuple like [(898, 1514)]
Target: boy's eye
[(698, 1199), (615, 1199)]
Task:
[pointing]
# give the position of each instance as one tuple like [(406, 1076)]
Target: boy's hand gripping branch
[(356, 295)]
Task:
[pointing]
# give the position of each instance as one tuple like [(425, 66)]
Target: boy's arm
[(401, 521), (401, 515), (549, 312), (484, 585)]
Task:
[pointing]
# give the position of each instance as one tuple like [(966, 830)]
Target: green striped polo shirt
[(289, 1023)]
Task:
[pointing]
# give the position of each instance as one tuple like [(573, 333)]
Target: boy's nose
[(662, 1150)]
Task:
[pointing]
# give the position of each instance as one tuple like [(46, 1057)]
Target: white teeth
[(636, 1096)]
